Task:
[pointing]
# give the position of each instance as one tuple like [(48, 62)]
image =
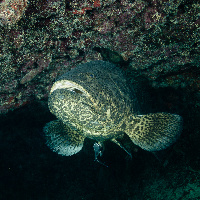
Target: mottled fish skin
[(94, 100), (102, 104), (154, 131), (63, 140)]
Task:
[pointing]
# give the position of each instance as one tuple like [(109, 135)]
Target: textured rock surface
[(156, 39), (11, 11)]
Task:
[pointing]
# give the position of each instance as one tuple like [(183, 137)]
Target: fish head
[(75, 107), (94, 98)]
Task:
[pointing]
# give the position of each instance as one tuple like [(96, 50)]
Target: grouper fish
[(95, 101)]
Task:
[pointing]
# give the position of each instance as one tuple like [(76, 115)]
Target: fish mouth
[(69, 85), (73, 87)]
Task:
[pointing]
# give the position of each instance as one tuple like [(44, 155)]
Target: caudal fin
[(154, 131)]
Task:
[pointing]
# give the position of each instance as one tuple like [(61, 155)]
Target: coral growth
[(159, 39), (11, 11)]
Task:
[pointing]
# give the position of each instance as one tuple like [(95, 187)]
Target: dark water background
[(29, 170)]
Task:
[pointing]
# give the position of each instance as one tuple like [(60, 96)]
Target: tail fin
[(154, 131)]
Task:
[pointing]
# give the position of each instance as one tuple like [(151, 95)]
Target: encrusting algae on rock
[(94, 101), (11, 11)]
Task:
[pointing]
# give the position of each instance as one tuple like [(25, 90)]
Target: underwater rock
[(144, 35), (11, 11)]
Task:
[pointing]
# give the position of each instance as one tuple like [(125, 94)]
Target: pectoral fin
[(61, 139), (155, 131)]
